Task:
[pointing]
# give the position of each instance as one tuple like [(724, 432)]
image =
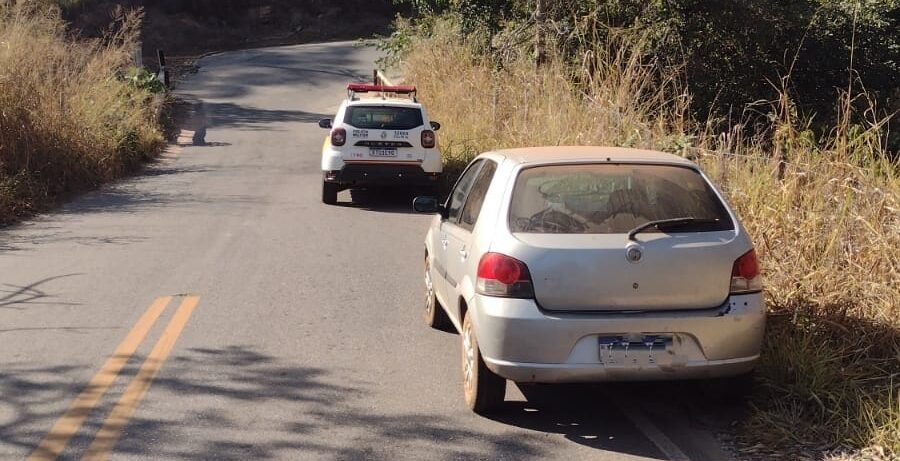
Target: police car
[(381, 136)]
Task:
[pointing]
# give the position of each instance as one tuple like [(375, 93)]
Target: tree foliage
[(734, 52)]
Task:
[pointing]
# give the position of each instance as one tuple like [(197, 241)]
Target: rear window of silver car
[(383, 117), (606, 198)]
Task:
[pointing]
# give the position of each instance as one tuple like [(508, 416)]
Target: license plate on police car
[(382, 152)]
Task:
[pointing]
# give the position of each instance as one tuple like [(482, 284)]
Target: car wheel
[(435, 315), (484, 390), (329, 192)]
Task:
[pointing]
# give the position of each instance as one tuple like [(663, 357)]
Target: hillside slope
[(185, 28)]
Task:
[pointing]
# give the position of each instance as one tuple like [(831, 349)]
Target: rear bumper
[(574, 373), (381, 174), (525, 344)]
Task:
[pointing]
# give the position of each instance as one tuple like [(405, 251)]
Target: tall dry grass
[(67, 122), (823, 212)]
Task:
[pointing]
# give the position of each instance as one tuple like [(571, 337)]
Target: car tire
[(330, 192), (435, 315), (484, 391)]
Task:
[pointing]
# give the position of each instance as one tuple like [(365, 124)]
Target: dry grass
[(823, 214), (67, 123)]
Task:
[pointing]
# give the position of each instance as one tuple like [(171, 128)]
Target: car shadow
[(582, 414), (381, 200), (602, 416)]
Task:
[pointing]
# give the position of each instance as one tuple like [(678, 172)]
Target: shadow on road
[(594, 415), (246, 405), (583, 414), (23, 296), (381, 200), (241, 377), (199, 116), (302, 73)]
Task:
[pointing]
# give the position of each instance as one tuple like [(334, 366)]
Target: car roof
[(562, 154)]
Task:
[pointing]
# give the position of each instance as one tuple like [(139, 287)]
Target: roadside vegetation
[(816, 185), (72, 113)]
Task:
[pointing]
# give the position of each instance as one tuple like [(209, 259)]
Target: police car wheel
[(330, 192)]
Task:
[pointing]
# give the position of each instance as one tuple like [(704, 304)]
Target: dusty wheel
[(484, 390), (330, 192), (435, 316)]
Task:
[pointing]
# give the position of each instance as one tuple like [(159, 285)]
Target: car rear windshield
[(383, 117), (613, 199)]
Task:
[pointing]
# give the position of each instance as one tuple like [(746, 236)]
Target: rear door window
[(613, 199), (476, 195), (383, 117), (461, 190)]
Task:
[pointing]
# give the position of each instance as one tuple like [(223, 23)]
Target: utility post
[(163, 73), (540, 44)]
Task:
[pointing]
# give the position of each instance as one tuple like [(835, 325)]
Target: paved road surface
[(293, 330)]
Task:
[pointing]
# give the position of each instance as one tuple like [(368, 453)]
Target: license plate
[(382, 152), (642, 351)]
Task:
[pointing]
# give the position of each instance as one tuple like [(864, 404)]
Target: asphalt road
[(294, 330)]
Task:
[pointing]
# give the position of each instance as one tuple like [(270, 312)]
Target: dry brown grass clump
[(67, 123), (489, 104), (824, 214)]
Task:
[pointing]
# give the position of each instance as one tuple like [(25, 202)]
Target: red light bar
[(367, 87)]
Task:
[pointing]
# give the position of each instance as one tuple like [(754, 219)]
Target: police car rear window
[(383, 117)]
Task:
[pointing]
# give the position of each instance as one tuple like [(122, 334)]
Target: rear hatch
[(384, 133), (593, 273), (574, 222)]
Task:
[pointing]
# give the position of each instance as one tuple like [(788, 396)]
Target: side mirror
[(325, 123), (429, 205), (435, 126)]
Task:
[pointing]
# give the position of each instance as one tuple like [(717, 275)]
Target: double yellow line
[(69, 423)]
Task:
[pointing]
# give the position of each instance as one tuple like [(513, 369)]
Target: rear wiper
[(664, 223)]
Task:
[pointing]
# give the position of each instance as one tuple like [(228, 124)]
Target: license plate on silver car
[(643, 350), (382, 152)]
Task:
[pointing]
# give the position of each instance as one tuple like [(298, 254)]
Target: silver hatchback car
[(583, 264)]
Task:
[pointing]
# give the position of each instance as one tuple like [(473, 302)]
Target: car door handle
[(463, 253), (444, 243)]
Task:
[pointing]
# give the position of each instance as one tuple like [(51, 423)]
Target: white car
[(381, 136), (568, 264)]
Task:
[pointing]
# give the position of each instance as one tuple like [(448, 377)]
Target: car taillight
[(338, 137), (501, 275), (745, 274), (428, 139)]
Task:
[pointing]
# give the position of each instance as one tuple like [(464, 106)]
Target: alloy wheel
[(429, 291), (468, 359)]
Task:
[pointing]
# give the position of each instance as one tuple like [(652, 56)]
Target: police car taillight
[(338, 137), (428, 139)]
